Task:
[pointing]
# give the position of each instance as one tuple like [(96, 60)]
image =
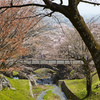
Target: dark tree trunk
[(71, 12), (88, 80), (88, 76), (88, 39)]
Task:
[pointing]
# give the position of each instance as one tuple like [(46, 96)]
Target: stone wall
[(69, 94)]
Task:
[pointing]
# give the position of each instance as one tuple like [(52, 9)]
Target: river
[(56, 90), (48, 81)]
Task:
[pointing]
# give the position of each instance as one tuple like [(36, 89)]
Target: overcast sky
[(88, 11), (85, 8)]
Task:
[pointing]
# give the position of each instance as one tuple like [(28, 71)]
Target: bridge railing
[(51, 61)]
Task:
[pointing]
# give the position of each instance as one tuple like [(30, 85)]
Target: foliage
[(14, 26)]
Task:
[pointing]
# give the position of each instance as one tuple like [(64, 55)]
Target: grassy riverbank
[(22, 91), (78, 86)]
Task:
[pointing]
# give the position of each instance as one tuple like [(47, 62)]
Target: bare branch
[(91, 2), (93, 74), (61, 2), (11, 3), (3, 10), (24, 5)]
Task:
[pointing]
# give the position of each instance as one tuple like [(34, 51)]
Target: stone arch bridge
[(51, 64), (61, 67), (55, 65)]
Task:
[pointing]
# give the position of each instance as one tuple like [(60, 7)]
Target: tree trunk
[(71, 12), (87, 37), (88, 80), (88, 76)]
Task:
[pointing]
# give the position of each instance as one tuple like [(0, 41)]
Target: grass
[(39, 88), (50, 96), (78, 87), (15, 73), (21, 93), (22, 90)]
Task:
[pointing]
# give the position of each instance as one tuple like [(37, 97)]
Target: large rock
[(4, 83)]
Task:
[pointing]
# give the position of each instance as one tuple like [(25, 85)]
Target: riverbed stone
[(4, 82)]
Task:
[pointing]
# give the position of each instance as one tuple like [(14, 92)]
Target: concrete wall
[(69, 94)]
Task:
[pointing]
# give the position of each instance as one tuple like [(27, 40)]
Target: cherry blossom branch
[(23, 5)]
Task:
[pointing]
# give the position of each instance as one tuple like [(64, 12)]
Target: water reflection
[(16, 77), (43, 81)]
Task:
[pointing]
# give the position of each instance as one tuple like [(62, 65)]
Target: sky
[(88, 11), (84, 8)]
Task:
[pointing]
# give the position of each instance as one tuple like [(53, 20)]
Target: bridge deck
[(52, 61)]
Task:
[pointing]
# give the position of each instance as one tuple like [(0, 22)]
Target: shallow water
[(43, 81), (56, 91), (40, 97), (49, 81), (15, 77)]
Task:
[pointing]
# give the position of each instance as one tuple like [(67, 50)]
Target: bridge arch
[(38, 66)]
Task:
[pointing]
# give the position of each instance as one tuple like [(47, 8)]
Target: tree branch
[(24, 5), (3, 10), (61, 2), (48, 3), (11, 3), (57, 7), (90, 2), (74, 3)]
